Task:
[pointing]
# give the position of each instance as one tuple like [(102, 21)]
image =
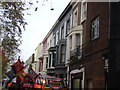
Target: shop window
[(76, 84)]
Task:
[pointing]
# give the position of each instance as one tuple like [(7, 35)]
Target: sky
[(39, 24)]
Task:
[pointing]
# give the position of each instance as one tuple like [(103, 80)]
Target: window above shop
[(95, 29), (62, 32), (83, 10), (75, 17), (67, 26)]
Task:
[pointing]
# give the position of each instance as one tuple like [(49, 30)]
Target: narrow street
[(81, 50)]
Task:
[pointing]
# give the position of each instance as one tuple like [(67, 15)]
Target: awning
[(51, 78)]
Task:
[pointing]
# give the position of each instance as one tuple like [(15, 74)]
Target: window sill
[(92, 39), (83, 20)]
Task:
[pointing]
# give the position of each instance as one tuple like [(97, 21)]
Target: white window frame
[(68, 25), (62, 53), (75, 17), (83, 10), (78, 39), (70, 42), (57, 36), (62, 32), (47, 62), (54, 40), (95, 29)]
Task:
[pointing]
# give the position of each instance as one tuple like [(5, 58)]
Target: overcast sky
[(39, 24)]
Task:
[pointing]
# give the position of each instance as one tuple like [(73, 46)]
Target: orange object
[(9, 84), (37, 85), (46, 88)]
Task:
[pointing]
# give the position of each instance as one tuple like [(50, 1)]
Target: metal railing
[(77, 53)]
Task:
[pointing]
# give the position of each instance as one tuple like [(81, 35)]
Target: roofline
[(58, 20)]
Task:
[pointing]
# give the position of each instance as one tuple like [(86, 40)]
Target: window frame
[(83, 10), (75, 17), (62, 53), (67, 26), (70, 42), (95, 28), (62, 32), (47, 63), (78, 39)]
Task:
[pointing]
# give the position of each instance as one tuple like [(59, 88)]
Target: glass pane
[(77, 39), (76, 83), (63, 57), (62, 32)]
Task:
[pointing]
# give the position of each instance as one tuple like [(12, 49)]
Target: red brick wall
[(94, 63), (94, 10)]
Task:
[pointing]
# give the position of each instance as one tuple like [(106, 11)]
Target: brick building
[(101, 37), (96, 41)]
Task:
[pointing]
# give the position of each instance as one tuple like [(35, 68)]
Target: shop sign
[(106, 64), (76, 71)]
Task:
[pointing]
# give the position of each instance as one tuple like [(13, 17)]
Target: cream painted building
[(47, 42), (38, 55), (74, 47)]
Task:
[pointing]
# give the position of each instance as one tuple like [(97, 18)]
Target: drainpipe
[(114, 42)]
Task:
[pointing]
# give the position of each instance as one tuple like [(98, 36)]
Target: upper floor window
[(77, 40), (62, 32), (70, 42), (51, 43), (75, 18), (54, 40), (52, 56), (83, 10), (53, 60), (45, 48), (95, 28), (67, 26), (57, 37), (62, 54)]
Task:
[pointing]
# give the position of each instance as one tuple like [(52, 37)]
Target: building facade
[(61, 43), (82, 47), (95, 40), (75, 69), (48, 57), (39, 57)]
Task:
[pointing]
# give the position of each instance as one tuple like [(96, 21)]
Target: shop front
[(77, 79)]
